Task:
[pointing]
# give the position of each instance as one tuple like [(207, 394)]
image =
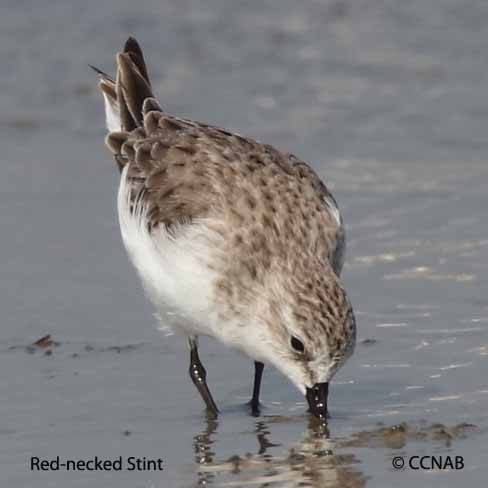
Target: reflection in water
[(262, 433), (310, 463), (316, 461), (204, 455)]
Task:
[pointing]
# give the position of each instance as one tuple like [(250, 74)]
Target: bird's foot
[(255, 407)]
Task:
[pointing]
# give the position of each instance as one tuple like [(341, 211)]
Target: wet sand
[(388, 102)]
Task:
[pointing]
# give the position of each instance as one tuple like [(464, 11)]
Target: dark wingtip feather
[(133, 87), (133, 49), (131, 45)]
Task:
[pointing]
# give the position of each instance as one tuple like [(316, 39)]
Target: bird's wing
[(329, 205), (184, 170)]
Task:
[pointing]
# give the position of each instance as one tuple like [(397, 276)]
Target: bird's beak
[(317, 399)]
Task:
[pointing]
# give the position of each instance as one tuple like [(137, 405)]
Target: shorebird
[(232, 239)]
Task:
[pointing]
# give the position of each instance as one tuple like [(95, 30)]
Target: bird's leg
[(199, 375), (258, 374)]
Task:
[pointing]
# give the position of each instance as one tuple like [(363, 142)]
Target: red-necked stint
[(232, 239)]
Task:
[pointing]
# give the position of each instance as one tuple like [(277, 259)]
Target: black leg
[(258, 374), (199, 375)]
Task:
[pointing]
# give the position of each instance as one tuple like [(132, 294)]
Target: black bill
[(317, 399)]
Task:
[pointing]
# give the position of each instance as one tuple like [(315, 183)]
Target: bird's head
[(310, 332)]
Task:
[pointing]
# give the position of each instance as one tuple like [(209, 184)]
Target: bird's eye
[(297, 344)]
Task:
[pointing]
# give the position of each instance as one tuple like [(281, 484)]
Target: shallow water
[(388, 101)]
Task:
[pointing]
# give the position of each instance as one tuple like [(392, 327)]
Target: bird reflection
[(204, 456), (310, 462), (262, 433)]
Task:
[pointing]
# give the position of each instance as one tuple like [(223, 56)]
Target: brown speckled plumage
[(273, 214)]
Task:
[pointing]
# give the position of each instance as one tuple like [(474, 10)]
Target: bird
[(232, 239)]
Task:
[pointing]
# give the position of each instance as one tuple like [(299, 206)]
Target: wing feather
[(183, 170)]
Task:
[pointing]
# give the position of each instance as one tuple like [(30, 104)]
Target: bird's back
[(185, 170)]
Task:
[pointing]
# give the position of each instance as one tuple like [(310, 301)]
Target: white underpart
[(174, 270), (112, 114)]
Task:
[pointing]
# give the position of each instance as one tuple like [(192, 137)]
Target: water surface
[(388, 101)]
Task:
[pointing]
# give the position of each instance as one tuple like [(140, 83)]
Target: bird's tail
[(129, 96)]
